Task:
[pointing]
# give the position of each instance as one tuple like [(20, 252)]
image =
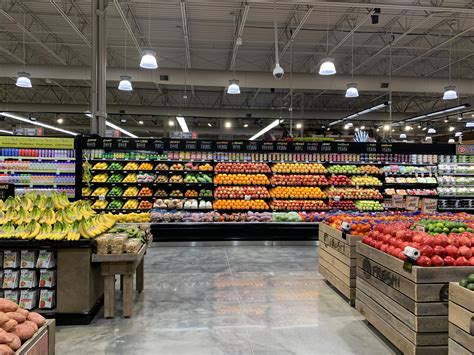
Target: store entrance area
[(230, 300)]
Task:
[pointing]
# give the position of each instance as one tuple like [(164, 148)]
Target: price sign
[(158, 145), (419, 228), (222, 146), (386, 148), (342, 147), (371, 148), (411, 203), (251, 147), (298, 146), (247, 197), (107, 144), (326, 147), (101, 197), (205, 145), (141, 144), (398, 201), (237, 146), (91, 143), (282, 146), (190, 145), (429, 205), (268, 146)]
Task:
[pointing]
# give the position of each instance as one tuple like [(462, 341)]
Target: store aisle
[(230, 300)]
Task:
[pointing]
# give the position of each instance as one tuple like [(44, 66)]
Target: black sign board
[(7, 190)]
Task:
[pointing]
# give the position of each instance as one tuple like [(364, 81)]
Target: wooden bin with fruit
[(408, 303), (337, 259), (461, 317)]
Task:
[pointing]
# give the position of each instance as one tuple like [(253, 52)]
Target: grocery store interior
[(237, 177)]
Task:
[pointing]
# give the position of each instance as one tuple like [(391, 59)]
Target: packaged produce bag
[(11, 259), (11, 278), (11, 295), (47, 278), (27, 299), (28, 259), (47, 299), (46, 260)]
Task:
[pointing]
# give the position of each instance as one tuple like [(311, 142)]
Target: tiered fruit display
[(161, 179), (205, 167), (340, 180), (169, 204), (131, 191), (130, 178), (368, 205), (160, 193), (298, 205), (242, 168), (297, 192), (146, 177), (299, 180), (176, 193), (145, 205), (176, 179), (100, 166), (130, 205), (145, 166), (240, 205), (161, 167), (344, 169), (240, 192), (131, 166), (366, 181), (241, 179), (177, 167), (191, 193), (116, 191), (40, 217), (299, 168), (205, 193), (370, 170), (114, 178), (354, 193), (198, 179), (115, 166), (100, 204), (100, 177), (115, 204), (86, 191), (436, 249), (344, 205), (100, 191), (145, 191)]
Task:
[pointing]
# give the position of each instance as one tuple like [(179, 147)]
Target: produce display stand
[(42, 343), (337, 259), (79, 292), (410, 308), (461, 320), (125, 265)]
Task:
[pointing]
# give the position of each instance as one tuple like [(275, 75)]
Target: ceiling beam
[(184, 21), (238, 34), (127, 26), (69, 21)]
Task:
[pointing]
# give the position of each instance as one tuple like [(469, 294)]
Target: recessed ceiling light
[(362, 127), (386, 127), (209, 124), (451, 140), (299, 125), (451, 128), (431, 131), (446, 120), (377, 130), (60, 120), (356, 129), (246, 125), (140, 122), (171, 123), (228, 124), (459, 118)]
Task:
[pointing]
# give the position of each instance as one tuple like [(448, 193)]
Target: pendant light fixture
[(327, 66), (125, 83), (148, 60), (450, 90), (233, 88), (278, 71), (431, 130), (23, 78), (352, 87), (403, 136)]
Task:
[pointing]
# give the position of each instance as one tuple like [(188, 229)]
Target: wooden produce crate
[(461, 320), (337, 259), (42, 343), (410, 308)]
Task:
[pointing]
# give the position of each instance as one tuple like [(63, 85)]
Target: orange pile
[(240, 205), (369, 169), (241, 179), (297, 192), (299, 168)]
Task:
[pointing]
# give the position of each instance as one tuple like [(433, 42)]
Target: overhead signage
[(36, 142)]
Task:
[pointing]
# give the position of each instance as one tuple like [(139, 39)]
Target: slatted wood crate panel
[(409, 308), (337, 259), (461, 320)]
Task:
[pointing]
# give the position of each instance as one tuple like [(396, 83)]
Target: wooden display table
[(461, 320), (337, 259), (43, 342), (124, 265), (410, 308)]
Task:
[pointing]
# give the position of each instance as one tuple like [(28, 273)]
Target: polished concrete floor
[(230, 300)]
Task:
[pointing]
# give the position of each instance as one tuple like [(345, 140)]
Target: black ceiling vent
[(164, 78), (384, 85)]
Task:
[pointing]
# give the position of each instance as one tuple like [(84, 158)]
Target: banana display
[(40, 217)]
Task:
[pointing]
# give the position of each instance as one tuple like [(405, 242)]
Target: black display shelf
[(4, 157), (46, 244), (456, 197), (328, 185), (84, 318), (154, 184), (93, 198), (446, 185), (122, 210), (313, 174), (43, 172), (299, 199), (417, 185), (151, 161), (440, 173), (234, 231), (209, 198)]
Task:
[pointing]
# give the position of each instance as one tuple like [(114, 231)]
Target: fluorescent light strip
[(182, 124), (266, 129), (7, 132), (469, 124), (436, 113), (111, 125), (36, 123), (363, 112)]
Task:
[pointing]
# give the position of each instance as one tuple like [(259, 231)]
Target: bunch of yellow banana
[(44, 232), (7, 230), (47, 217), (34, 228), (60, 201), (24, 217), (59, 231), (11, 214), (91, 228), (73, 233)]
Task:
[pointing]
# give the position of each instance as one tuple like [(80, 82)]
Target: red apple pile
[(241, 192), (454, 249), (298, 205), (340, 180), (299, 180), (344, 205), (242, 168), (354, 193)]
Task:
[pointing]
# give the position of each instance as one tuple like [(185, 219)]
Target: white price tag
[(101, 197), (247, 197)]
